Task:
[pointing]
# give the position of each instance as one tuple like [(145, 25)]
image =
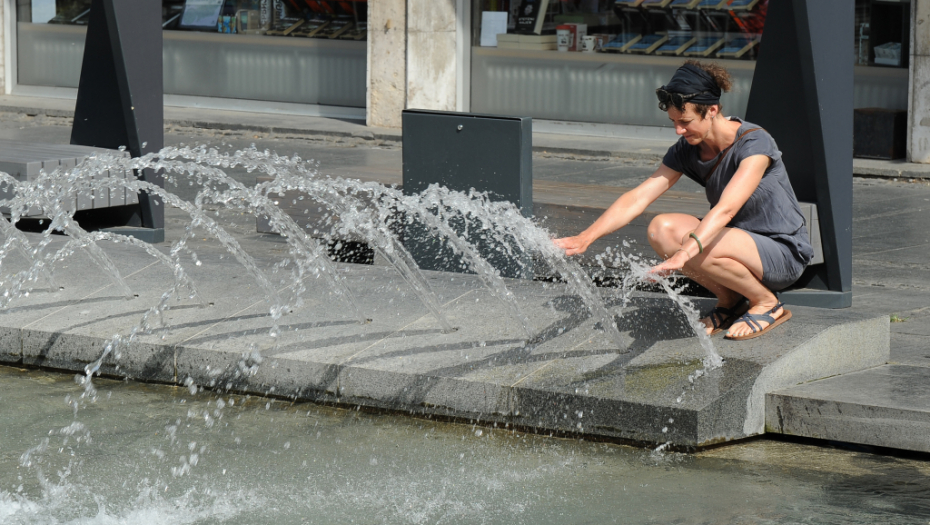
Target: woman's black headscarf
[(693, 84)]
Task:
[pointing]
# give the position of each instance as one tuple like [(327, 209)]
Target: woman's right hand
[(572, 245)]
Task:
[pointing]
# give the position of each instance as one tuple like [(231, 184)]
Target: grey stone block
[(887, 406), (74, 352), (11, 345)]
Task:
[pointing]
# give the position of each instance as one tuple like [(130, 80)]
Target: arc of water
[(60, 219), (227, 240), (180, 276), (530, 238), (640, 273), (283, 168), (111, 162), (308, 248), (488, 275), (15, 237), (291, 231), (395, 253)]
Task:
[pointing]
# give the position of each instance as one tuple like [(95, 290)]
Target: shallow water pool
[(151, 454)]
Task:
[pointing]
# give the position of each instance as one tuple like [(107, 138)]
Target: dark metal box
[(462, 151), (879, 133)]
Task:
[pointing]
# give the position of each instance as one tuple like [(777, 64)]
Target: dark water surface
[(149, 454)]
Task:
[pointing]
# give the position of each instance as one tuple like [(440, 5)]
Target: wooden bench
[(24, 160)]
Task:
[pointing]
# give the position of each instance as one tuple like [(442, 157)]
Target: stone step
[(886, 406)]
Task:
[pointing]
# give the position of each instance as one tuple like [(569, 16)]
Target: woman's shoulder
[(745, 125), (755, 140), (750, 133)]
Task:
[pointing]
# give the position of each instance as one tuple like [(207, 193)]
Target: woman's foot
[(758, 319), (723, 315)]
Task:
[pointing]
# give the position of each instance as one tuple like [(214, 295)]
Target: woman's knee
[(667, 228)]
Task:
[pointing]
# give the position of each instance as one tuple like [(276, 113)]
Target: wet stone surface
[(569, 377)]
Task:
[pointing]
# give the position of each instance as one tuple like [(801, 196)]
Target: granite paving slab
[(887, 406)]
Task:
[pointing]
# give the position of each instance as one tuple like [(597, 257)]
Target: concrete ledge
[(888, 406), (569, 377)]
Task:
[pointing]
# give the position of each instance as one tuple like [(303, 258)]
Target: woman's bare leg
[(730, 266)]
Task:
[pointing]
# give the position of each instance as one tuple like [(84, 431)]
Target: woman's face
[(689, 124)]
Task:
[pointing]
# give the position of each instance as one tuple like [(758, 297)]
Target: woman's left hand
[(672, 264)]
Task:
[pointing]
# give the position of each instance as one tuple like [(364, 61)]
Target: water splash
[(368, 211)]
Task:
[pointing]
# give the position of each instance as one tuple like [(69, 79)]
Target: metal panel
[(464, 151)]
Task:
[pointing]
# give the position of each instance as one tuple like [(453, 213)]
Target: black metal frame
[(120, 98), (802, 93)]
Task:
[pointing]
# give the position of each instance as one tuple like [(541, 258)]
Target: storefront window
[(292, 51), (332, 19), (882, 32), (691, 28), (599, 61)]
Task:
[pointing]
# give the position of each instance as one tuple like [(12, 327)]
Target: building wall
[(412, 58), (431, 66), (919, 97), (387, 62)]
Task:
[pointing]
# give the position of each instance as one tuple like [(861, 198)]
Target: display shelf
[(741, 5), (685, 4), (309, 29), (737, 47), (711, 4), (655, 4), (704, 46), (675, 45), (647, 44), (622, 43)]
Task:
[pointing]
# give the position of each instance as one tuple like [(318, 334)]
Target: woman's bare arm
[(629, 206)]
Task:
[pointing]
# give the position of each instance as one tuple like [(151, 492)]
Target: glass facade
[(330, 19), (293, 51), (598, 60)]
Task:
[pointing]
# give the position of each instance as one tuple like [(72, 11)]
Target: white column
[(431, 54), (7, 25), (387, 62), (918, 110)]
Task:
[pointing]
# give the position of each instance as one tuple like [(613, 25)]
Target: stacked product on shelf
[(685, 4), (741, 5), (705, 45), (622, 42), (526, 42), (675, 45), (648, 43), (655, 4), (737, 47)]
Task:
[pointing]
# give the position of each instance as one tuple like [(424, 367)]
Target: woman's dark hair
[(720, 75)]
